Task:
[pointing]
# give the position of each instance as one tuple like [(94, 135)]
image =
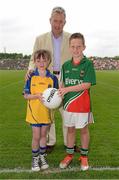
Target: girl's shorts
[(39, 125)]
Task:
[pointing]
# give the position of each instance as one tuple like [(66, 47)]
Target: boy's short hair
[(77, 36), (42, 53), (59, 10)]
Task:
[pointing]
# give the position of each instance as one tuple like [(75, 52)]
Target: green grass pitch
[(15, 134)]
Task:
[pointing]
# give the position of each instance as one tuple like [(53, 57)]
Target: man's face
[(57, 22)]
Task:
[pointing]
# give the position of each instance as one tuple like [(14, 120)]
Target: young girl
[(38, 115), (77, 76)]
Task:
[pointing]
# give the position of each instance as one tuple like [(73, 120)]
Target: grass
[(15, 134)]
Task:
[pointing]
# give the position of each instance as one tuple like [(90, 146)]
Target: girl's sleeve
[(27, 87)]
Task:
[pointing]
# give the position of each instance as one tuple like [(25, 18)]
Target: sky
[(21, 21)]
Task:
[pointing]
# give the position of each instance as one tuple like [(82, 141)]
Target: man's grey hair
[(58, 9)]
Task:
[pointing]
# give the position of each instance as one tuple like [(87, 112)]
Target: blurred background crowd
[(20, 62)]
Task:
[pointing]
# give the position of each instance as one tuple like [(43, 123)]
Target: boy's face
[(41, 63), (76, 48)]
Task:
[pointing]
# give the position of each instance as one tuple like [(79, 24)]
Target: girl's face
[(41, 63), (76, 48)]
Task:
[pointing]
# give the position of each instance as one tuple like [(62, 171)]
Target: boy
[(77, 76), (38, 115)]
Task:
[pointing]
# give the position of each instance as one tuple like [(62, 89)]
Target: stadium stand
[(105, 63), (11, 64), (22, 64)]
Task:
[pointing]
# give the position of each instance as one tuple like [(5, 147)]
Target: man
[(57, 42)]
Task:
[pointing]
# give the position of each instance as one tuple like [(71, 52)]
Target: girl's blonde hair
[(45, 54)]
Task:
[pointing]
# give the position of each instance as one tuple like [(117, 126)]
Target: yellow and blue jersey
[(37, 113)]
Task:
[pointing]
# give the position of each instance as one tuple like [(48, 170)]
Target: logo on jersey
[(41, 83), (74, 69), (69, 81), (67, 71), (33, 84), (82, 73)]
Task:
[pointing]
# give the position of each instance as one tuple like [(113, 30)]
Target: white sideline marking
[(58, 170)]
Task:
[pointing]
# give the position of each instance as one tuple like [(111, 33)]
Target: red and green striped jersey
[(72, 75)]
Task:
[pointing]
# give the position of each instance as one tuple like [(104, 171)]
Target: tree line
[(18, 56), (15, 56)]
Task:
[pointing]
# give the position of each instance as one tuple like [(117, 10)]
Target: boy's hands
[(62, 91)]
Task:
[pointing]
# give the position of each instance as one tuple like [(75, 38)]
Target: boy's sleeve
[(90, 74)]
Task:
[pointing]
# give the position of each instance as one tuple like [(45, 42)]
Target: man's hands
[(28, 74)]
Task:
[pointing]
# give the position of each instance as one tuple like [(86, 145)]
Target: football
[(51, 99)]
